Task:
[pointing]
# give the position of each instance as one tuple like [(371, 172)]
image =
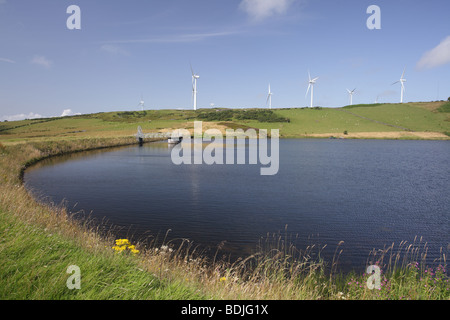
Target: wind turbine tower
[(194, 87), (351, 95), (312, 82), (141, 103), (269, 98), (402, 82)]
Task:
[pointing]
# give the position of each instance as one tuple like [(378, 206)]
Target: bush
[(229, 115), (345, 132), (261, 116), (444, 108)]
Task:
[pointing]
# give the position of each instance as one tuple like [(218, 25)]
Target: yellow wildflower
[(119, 248), (124, 244)]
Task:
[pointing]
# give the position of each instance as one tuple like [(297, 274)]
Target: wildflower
[(164, 249), (124, 244), (119, 248), (223, 279)]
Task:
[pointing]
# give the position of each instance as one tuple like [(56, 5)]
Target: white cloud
[(32, 115), (21, 116), (174, 38), (261, 9), (69, 112), (437, 56), (7, 60), (113, 49), (42, 61)]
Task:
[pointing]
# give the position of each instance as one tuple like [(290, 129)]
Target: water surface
[(367, 193)]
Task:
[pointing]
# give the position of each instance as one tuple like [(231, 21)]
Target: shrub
[(444, 108), (229, 115), (219, 115)]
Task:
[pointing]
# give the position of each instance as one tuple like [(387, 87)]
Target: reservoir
[(367, 193)]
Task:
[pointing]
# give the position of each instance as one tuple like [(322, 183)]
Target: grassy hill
[(421, 120)]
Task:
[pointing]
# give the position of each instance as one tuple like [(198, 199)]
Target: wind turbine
[(376, 100), (269, 98), (141, 103), (194, 87), (351, 95), (402, 81), (312, 82)]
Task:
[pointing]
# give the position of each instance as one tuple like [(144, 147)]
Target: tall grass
[(39, 241), (405, 274)]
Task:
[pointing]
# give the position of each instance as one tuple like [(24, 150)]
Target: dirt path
[(384, 135)]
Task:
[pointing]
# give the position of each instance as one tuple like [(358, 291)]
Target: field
[(38, 242), (390, 121)]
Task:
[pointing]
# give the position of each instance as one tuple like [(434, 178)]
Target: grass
[(445, 108), (35, 261), (410, 116), (39, 241), (388, 119), (364, 118)]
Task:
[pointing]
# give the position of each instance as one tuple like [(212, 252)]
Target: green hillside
[(425, 120)]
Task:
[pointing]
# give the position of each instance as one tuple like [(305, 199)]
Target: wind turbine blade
[(395, 83), (309, 86), (192, 70), (349, 91), (309, 76), (403, 74)]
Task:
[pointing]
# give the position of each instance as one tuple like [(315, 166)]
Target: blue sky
[(126, 49)]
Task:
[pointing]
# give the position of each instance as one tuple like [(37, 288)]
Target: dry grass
[(15, 198)]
